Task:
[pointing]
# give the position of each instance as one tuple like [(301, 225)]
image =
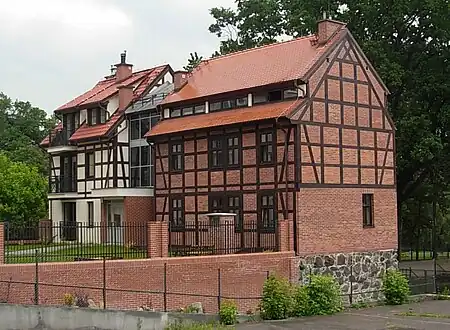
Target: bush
[(324, 295), (228, 312), (81, 300), (395, 287), (195, 326), (276, 303), (301, 302)]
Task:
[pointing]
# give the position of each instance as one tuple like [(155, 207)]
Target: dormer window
[(96, 116), (275, 96), (214, 106), (242, 102)]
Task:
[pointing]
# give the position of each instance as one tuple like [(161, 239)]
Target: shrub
[(69, 299), (276, 302), (195, 326), (81, 300), (300, 302), (228, 312), (395, 287), (324, 295)]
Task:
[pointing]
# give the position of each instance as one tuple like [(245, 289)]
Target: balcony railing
[(59, 138), (62, 184)]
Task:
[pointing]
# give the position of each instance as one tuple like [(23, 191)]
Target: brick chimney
[(123, 70), (326, 28), (125, 96), (179, 80)]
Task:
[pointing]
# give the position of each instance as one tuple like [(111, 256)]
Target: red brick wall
[(241, 275), (2, 244), (330, 220)]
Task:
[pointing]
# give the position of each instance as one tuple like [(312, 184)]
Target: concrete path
[(32, 252), (378, 318)]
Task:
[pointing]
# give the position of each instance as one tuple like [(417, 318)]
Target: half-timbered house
[(293, 138), (89, 181)]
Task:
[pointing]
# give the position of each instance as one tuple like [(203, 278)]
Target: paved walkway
[(378, 318), (32, 252)]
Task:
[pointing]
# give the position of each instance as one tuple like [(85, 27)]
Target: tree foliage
[(23, 192), (193, 62), (407, 42), (22, 128)]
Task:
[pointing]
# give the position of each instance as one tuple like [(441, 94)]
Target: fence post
[(165, 287), (268, 274), (350, 298), (219, 289), (434, 277), (104, 282), (36, 278)]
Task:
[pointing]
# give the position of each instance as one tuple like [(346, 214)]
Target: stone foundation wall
[(359, 274)]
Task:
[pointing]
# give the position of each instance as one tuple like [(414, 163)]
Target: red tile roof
[(222, 118), (279, 62), (102, 91)]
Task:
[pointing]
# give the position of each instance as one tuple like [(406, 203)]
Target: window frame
[(368, 204), (173, 154), (136, 181), (177, 227), (90, 214), (224, 150), (100, 116), (262, 208), (225, 207), (89, 165), (263, 145)]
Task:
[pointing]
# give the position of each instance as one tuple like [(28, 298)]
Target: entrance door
[(115, 222), (69, 225)]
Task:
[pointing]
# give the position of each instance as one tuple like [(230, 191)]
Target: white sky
[(53, 50)]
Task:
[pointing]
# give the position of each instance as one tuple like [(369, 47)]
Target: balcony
[(59, 142), (62, 184)]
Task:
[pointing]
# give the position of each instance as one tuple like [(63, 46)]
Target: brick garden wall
[(240, 276)]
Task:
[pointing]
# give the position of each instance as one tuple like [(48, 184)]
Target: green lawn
[(73, 252), (21, 247), (422, 255)]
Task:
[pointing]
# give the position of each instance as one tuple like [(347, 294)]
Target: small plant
[(195, 326), (228, 312), (395, 287), (444, 295), (276, 303), (81, 300), (359, 305), (69, 299)]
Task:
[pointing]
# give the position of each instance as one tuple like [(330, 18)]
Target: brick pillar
[(2, 243), (158, 239), (45, 231), (285, 235)]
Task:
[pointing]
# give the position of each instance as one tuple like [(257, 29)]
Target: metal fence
[(74, 242), (214, 237)]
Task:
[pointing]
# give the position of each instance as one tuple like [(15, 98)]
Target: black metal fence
[(62, 184), (214, 237), (74, 242)]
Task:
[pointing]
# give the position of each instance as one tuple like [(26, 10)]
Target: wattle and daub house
[(290, 143)]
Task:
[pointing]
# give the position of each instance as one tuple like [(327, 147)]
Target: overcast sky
[(53, 50)]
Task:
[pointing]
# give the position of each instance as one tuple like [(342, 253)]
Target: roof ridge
[(248, 50)]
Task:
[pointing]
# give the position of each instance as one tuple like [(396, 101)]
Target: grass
[(423, 255), (71, 252), (433, 315), (197, 326), (21, 247)]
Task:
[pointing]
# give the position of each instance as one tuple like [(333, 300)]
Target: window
[(188, 111), (216, 152), (199, 108), (71, 122), (227, 204), (176, 157), (242, 102), (90, 165), (233, 151), (141, 123), (275, 96), (90, 214), (367, 201), (141, 166), (259, 98), (228, 104), (177, 214), (175, 113), (290, 94), (215, 106), (96, 116), (224, 152), (266, 147), (268, 220)]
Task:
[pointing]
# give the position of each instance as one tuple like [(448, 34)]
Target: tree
[(193, 62), (23, 192), (22, 128), (409, 44)]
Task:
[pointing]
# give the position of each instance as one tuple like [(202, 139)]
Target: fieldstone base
[(359, 273)]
